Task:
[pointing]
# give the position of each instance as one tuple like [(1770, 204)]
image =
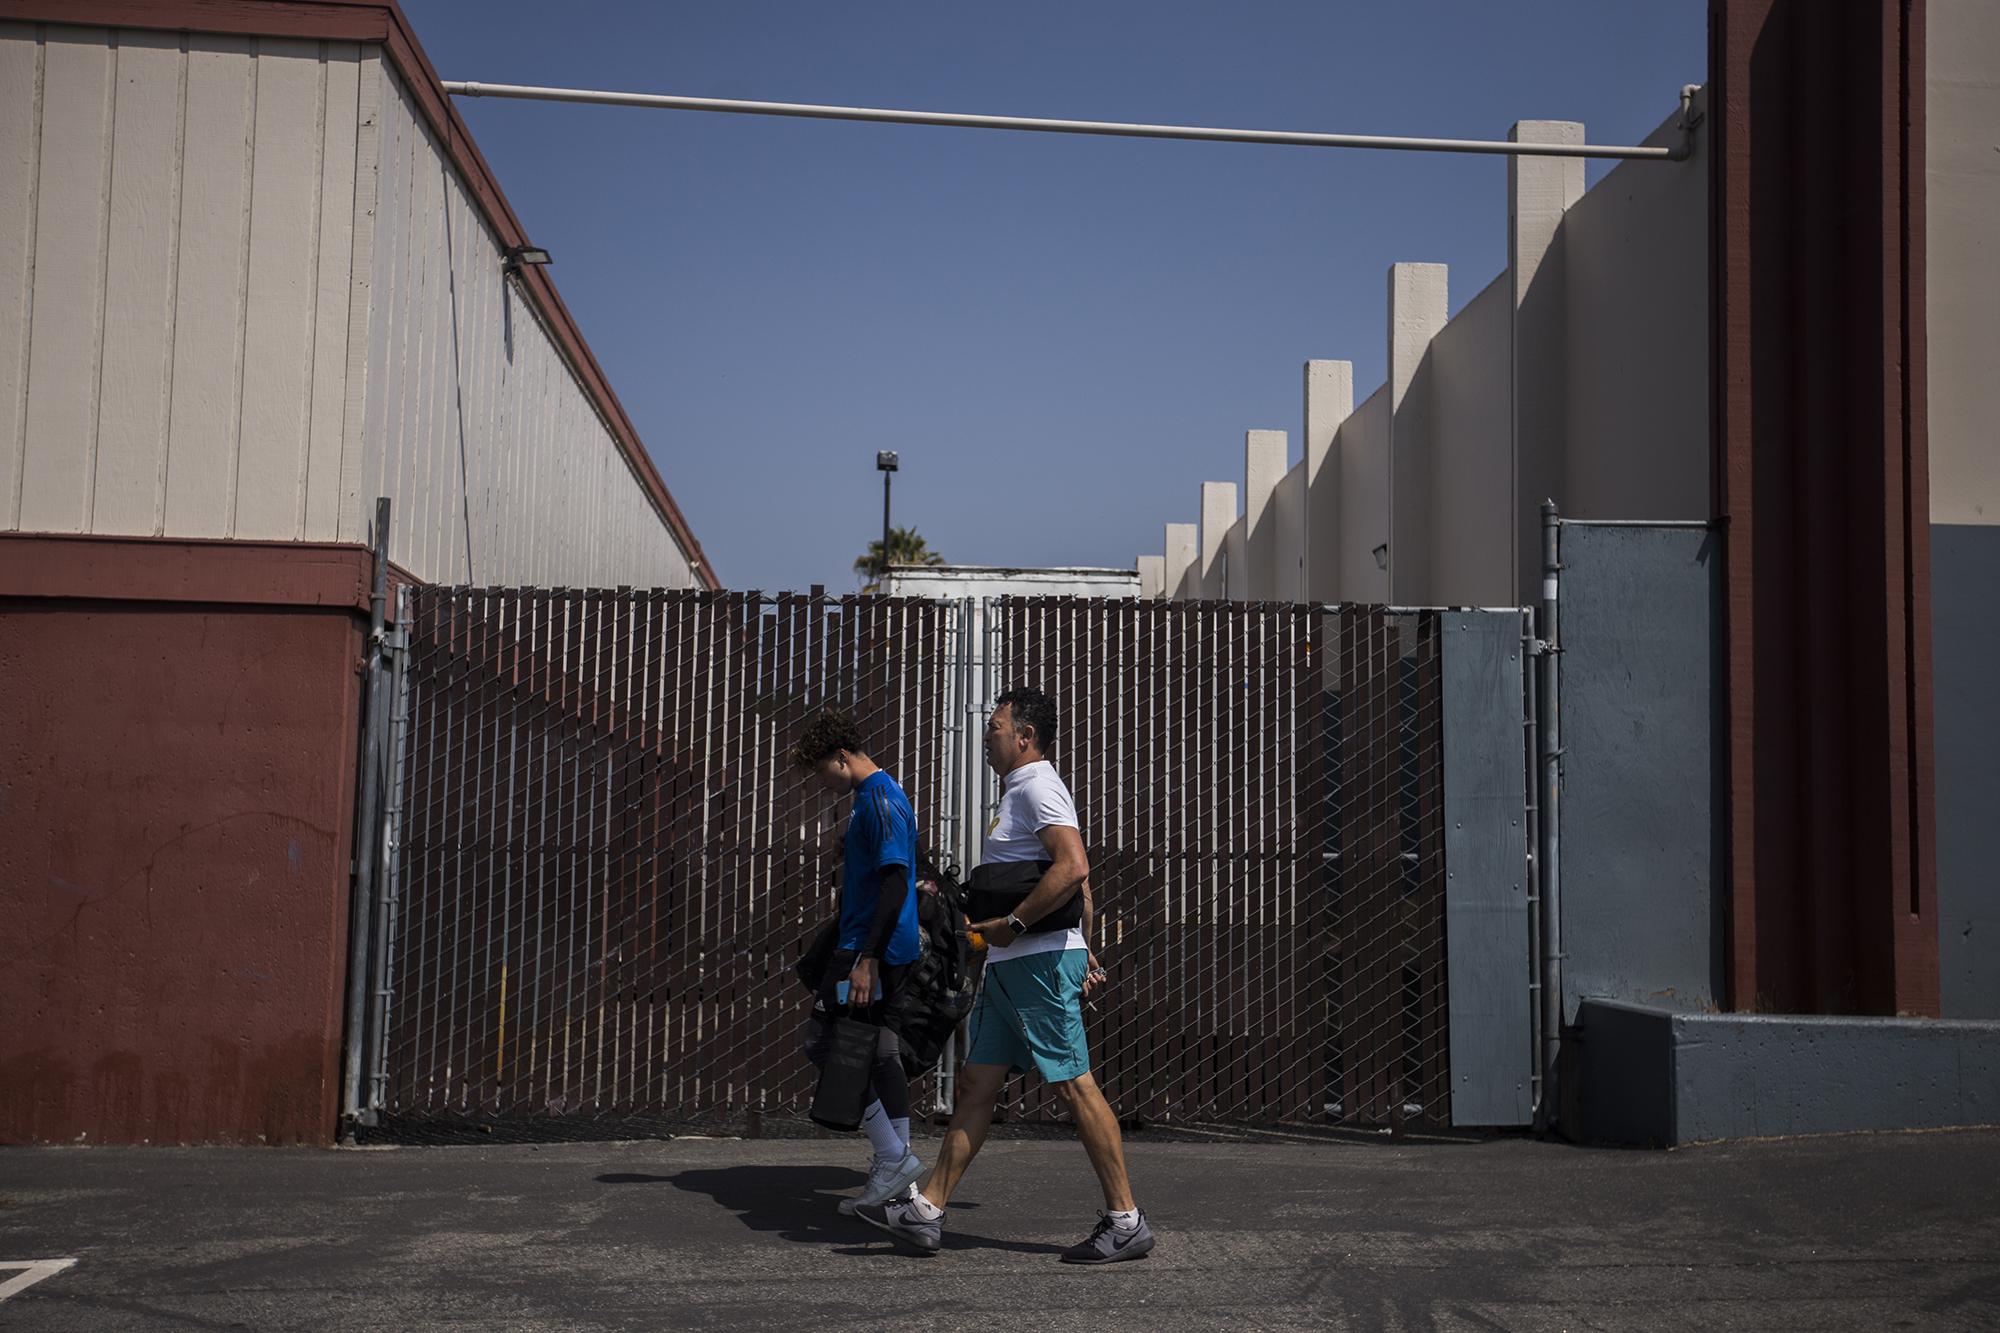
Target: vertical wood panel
[(404, 379), (20, 159), (426, 296), (282, 273), (441, 425), (442, 428), (208, 308), (337, 278), (363, 292), (65, 330), (389, 355), (480, 370), (140, 267)]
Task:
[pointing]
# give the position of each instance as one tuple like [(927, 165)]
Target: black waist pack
[(997, 889)]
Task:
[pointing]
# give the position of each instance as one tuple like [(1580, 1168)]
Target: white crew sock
[(925, 1209), (902, 1127), (1123, 1220), (881, 1131)]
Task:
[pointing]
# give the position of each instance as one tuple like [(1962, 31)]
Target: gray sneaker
[(1111, 1244), (886, 1180), (900, 1219)]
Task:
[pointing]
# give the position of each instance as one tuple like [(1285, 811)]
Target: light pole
[(885, 463)]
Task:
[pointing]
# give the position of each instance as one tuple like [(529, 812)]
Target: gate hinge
[(1543, 648)]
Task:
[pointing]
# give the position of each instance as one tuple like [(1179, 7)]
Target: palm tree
[(905, 548)]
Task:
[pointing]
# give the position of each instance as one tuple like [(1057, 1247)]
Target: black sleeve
[(888, 909)]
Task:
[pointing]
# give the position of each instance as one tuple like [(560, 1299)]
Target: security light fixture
[(526, 256), (1382, 556), (885, 461)]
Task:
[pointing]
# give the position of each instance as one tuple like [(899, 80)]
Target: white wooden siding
[(243, 292), (503, 469)]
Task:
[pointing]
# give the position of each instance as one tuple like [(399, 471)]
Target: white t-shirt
[(1032, 799)]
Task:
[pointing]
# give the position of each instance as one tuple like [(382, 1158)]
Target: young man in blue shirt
[(878, 937)]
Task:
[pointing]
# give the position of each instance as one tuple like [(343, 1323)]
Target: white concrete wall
[(1472, 539), (1236, 575), (1539, 190), (1152, 575), (1264, 454), (1962, 257), (952, 582), (1329, 400), (1635, 341), (1362, 446), (242, 293), (1418, 305), (1182, 557), (1218, 516), (1579, 373), (1289, 503)]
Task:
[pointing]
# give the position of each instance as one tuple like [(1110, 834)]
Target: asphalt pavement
[(1856, 1232)]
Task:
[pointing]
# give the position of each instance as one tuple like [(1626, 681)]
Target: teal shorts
[(1030, 1016)]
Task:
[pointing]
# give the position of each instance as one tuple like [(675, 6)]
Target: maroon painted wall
[(1817, 254), (177, 760)]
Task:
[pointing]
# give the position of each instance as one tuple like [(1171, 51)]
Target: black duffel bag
[(846, 1080), (1000, 887)]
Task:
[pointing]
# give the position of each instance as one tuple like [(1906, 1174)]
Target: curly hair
[(827, 734), (1032, 708)]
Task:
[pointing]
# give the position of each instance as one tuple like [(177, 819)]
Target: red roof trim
[(383, 22)]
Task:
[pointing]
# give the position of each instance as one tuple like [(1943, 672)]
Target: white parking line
[(34, 1270)]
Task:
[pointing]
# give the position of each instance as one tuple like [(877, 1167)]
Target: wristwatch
[(1017, 925)]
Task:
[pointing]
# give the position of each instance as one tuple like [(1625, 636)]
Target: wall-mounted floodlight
[(526, 256), (1382, 556)]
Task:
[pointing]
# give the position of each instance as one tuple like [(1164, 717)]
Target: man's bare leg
[(1097, 1126), (978, 1091)]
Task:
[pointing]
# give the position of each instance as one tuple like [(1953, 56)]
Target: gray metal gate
[(599, 867)]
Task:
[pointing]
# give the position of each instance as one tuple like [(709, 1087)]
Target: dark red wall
[(177, 757), (1817, 215)]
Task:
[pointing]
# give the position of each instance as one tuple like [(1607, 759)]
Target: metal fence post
[(388, 880), (366, 823), (1548, 831), (1531, 763)]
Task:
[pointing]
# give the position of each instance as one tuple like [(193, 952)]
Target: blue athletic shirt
[(881, 833)]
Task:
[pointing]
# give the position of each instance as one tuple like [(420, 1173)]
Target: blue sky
[(1062, 336)]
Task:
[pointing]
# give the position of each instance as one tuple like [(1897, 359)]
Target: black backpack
[(937, 994)]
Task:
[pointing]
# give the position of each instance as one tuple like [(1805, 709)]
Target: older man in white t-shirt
[(1030, 1010)]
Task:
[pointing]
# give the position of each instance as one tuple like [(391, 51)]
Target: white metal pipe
[(1302, 139)]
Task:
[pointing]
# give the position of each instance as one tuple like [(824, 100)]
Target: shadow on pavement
[(798, 1204)]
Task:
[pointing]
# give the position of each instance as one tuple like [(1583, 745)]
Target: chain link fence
[(1260, 789), (602, 865), (607, 864)]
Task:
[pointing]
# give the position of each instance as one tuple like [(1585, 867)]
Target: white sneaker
[(885, 1181)]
